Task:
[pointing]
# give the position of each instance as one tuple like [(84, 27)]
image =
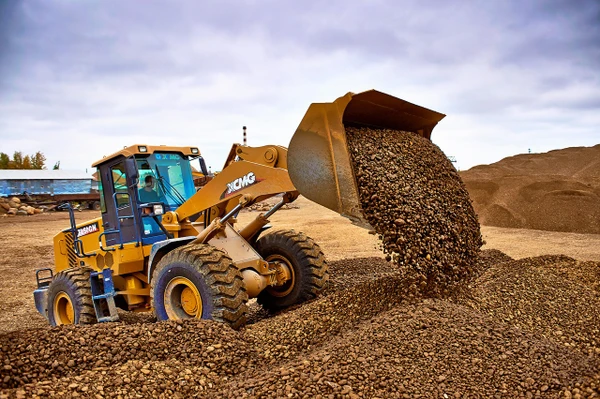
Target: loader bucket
[(319, 162)]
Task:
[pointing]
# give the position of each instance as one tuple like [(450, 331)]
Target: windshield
[(165, 177)]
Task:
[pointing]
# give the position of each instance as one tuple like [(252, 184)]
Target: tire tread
[(78, 278), (221, 276), (310, 258)]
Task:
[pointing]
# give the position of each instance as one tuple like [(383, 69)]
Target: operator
[(147, 194)]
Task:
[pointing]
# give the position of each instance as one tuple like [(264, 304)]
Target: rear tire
[(95, 206), (199, 281), (306, 262), (70, 298)]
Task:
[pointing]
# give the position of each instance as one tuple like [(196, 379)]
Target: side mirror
[(203, 166)]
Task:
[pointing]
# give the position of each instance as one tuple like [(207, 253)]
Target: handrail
[(77, 243)]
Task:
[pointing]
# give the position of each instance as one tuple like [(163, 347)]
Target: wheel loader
[(162, 245)]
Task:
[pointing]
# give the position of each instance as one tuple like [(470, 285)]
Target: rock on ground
[(372, 334)]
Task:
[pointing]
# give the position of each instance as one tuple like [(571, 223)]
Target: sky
[(81, 79)]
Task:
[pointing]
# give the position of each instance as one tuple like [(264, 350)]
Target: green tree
[(38, 161), (4, 160), (56, 165)]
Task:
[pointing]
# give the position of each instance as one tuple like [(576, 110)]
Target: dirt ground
[(27, 245)]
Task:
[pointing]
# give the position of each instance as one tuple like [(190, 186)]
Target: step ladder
[(103, 295)]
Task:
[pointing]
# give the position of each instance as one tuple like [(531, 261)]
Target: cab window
[(119, 180)]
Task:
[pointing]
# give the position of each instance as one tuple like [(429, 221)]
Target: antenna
[(245, 140)]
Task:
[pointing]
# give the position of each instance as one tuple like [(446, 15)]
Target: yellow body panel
[(128, 263)]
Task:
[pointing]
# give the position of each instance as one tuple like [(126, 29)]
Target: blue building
[(19, 182)]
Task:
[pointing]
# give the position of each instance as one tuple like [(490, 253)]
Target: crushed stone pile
[(556, 191), (363, 338), (46, 354), (435, 349), (415, 200), (534, 295)]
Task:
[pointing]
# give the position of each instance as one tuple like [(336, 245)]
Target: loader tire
[(199, 281), (306, 262), (70, 298)]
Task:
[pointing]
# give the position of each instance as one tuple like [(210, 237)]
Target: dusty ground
[(27, 245)]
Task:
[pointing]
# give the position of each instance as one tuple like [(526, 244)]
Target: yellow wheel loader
[(161, 245)]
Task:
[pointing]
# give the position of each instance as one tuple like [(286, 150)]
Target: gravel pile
[(44, 356), (415, 200), (363, 338), (534, 295), (349, 273), (557, 191), (491, 257), (432, 349)]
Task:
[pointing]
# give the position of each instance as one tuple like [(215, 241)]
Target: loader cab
[(139, 184)]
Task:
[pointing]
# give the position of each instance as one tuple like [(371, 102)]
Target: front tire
[(70, 298), (306, 262), (199, 282)]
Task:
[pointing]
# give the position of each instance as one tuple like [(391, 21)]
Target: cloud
[(82, 79)]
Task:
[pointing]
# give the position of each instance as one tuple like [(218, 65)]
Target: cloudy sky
[(81, 79)]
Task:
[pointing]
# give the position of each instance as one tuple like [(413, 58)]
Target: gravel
[(415, 200), (377, 337)]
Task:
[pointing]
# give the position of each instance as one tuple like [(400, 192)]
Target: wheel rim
[(64, 313), (182, 299), (285, 289)]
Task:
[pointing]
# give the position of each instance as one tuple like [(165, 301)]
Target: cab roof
[(139, 149)]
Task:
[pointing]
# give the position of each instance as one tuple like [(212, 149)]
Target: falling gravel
[(415, 200)]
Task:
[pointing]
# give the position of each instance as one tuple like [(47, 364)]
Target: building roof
[(43, 174)]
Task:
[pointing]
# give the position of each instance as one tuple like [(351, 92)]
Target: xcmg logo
[(240, 183)]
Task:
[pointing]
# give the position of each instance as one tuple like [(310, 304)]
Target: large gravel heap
[(526, 328), (414, 198)]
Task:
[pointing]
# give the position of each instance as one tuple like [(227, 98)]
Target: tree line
[(18, 161)]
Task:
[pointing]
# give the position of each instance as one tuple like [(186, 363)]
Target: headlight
[(158, 210)]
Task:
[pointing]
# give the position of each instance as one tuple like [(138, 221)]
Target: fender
[(163, 247)]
